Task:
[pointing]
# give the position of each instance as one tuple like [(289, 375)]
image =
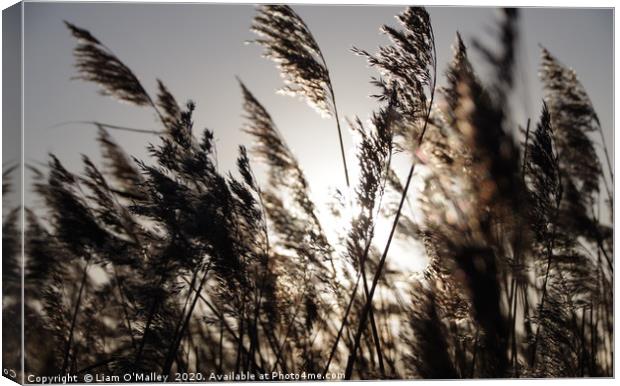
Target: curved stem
[(379, 271), (225, 324), (607, 158), (342, 153), (181, 331), (362, 271), (333, 97), (110, 126)]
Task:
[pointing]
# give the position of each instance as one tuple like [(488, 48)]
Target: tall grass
[(171, 265)]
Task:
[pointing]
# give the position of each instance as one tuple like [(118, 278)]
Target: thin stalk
[(273, 344), (403, 198), (365, 280), (342, 325), (288, 330), (527, 138), (373, 325), (362, 262), (582, 338), (255, 342), (124, 307), (147, 326), (78, 303), (366, 309), (514, 284), (253, 335), (240, 346), (230, 330), (109, 126), (181, 321), (390, 336), (514, 330), (220, 350), (95, 365), (550, 247), (342, 153), (333, 98), (527, 325), (593, 341), (607, 158), (177, 341), (601, 248), (346, 173)]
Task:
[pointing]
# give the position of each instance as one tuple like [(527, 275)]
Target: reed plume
[(289, 43)]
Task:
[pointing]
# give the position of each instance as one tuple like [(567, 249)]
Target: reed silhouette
[(170, 265)]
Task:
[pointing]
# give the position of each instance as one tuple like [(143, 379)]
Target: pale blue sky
[(198, 49)]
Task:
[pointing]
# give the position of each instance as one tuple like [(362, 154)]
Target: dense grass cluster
[(172, 265)]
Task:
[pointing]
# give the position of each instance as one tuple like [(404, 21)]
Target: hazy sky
[(198, 49)]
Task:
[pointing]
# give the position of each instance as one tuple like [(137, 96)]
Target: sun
[(337, 207)]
